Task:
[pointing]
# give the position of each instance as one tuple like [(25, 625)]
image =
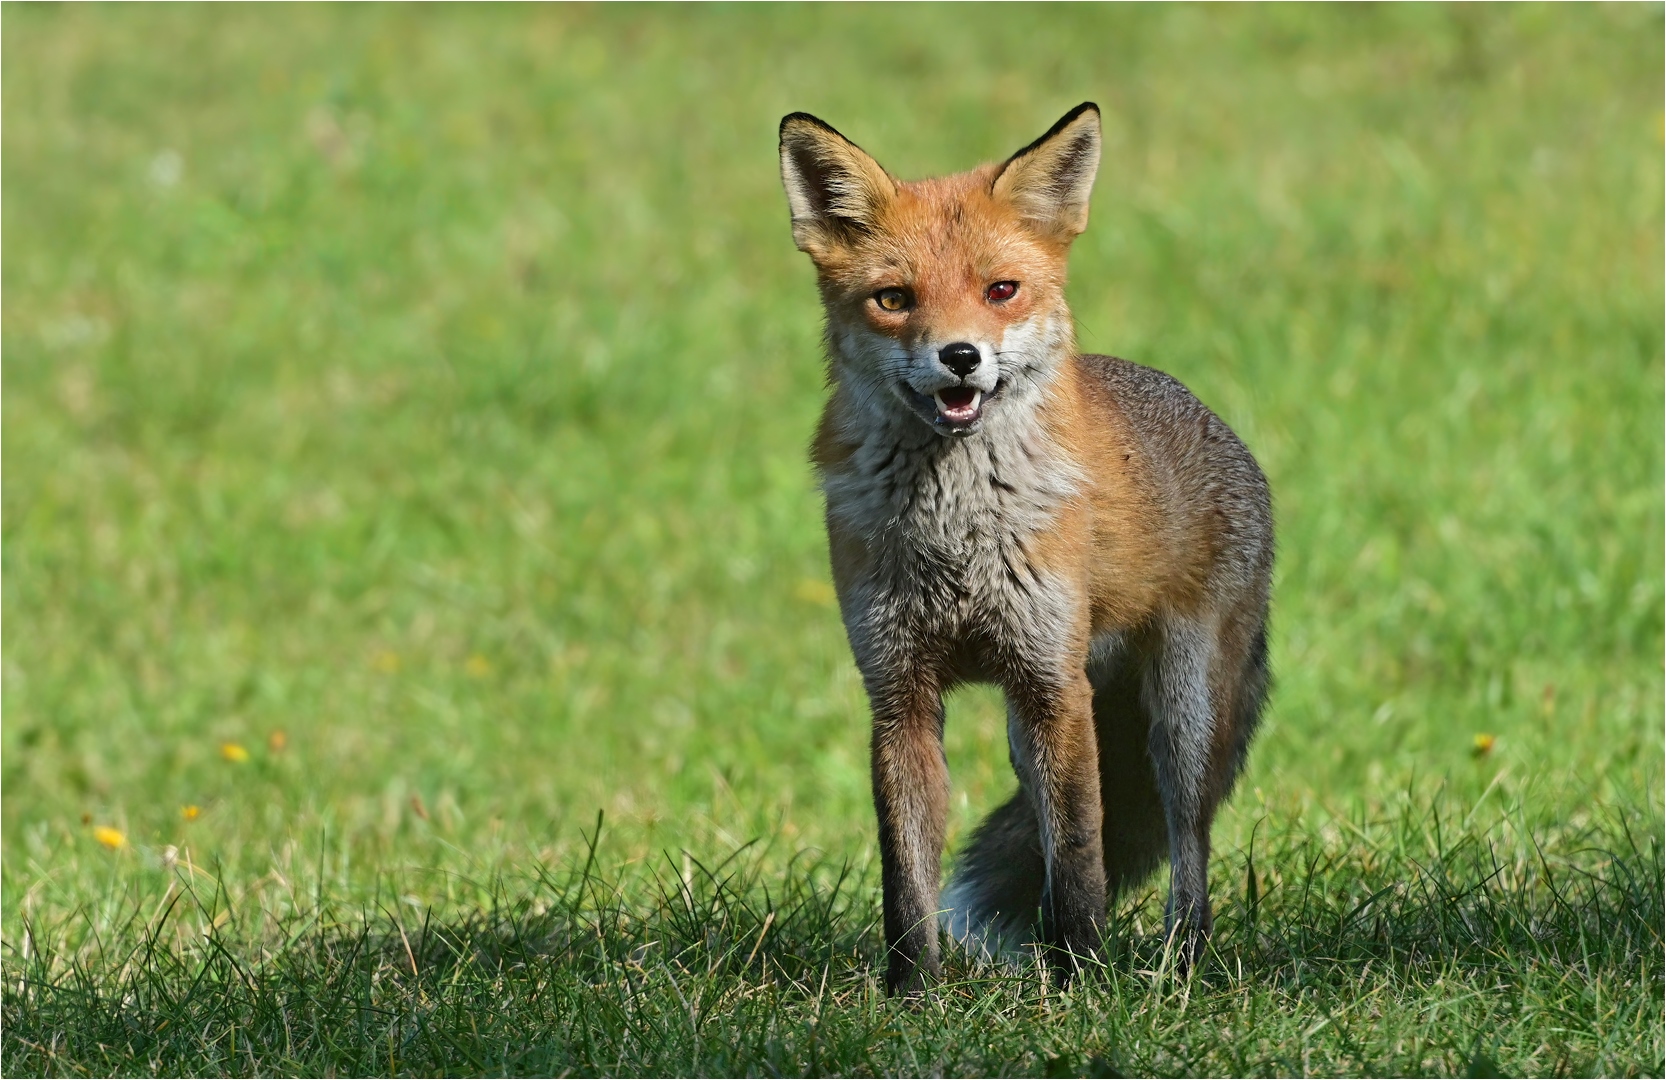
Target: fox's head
[(945, 296)]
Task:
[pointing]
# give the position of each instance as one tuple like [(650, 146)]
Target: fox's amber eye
[(1002, 290), (891, 299)]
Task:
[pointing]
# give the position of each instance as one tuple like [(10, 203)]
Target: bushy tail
[(992, 904), (994, 896)]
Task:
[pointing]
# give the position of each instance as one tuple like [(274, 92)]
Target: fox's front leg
[(911, 798), (1055, 750)]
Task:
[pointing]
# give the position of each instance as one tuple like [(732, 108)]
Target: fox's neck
[(898, 476)]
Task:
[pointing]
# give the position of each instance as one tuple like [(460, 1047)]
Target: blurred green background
[(406, 410)]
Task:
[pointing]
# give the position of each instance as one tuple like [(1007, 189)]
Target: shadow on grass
[(1367, 947)]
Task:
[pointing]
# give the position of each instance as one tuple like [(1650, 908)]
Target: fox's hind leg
[(1176, 693), (1135, 830)]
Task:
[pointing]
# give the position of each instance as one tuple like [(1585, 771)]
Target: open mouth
[(953, 410), (958, 404)]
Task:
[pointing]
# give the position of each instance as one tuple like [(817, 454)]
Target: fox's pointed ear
[(1051, 179), (835, 189)]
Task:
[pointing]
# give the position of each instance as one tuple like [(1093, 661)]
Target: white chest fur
[(950, 527)]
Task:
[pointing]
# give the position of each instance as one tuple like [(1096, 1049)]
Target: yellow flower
[(387, 662), (477, 666), (110, 838), (815, 591), (1483, 745), (278, 741), (233, 752), (191, 812)]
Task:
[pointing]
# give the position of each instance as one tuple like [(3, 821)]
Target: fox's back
[(1209, 511)]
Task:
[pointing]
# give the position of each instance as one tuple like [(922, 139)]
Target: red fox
[(1079, 530)]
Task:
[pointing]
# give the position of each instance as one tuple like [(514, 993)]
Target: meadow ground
[(404, 441)]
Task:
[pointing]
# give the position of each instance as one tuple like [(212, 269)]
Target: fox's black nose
[(960, 358)]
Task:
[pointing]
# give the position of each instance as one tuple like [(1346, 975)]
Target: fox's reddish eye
[(891, 299), (1002, 290)]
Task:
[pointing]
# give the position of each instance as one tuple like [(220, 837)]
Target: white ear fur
[(1051, 180), (833, 187)]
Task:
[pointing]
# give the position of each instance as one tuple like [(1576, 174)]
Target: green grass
[(432, 386)]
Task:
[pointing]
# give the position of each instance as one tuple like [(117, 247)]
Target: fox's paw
[(1186, 932)]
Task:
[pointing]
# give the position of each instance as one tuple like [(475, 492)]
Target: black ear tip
[(1084, 107), (795, 118)]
